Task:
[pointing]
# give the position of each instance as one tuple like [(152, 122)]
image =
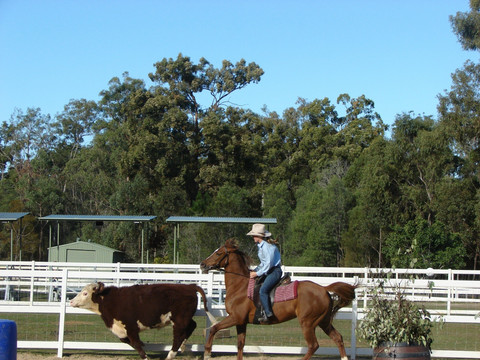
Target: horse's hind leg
[(311, 339), (337, 338)]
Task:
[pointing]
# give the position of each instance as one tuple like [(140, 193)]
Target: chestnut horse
[(313, 305)]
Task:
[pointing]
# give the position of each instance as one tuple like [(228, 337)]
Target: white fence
[(45, 288)]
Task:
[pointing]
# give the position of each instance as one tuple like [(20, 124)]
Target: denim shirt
[(269, 257)]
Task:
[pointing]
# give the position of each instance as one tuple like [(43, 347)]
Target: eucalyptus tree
[(465, 25), (184, 82), (27, 135), (357, 128), (187, 80), (233, 151), (421, 159), (32, 165), (459, 113), (314, 235), (317, 123), (372, 180), (74, 126)]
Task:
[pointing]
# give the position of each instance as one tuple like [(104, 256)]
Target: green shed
[(82, 251)]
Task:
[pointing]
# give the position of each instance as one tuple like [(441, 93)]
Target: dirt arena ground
[(42, 356), (21, 355)]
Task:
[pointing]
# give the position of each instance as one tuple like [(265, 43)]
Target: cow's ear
[(99, 288)]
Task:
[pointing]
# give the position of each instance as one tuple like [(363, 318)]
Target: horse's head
[(219, 258)]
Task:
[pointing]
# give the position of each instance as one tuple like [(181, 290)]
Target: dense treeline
[(343, 192)]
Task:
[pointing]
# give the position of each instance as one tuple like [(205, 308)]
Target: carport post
[(176, 236), (11, 241), (58, 241), (49, 240), (174, 241), (142, 244), (20, 239)]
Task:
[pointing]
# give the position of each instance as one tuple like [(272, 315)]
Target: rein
[(234, 273)]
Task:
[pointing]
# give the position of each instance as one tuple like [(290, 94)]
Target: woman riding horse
[(313, 306), (270, 267)]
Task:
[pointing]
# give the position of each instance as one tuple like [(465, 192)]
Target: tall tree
[(185, 82), (356, 130), (76, 123), (372, 179), (466, 25), (459, 111), (319, 220)]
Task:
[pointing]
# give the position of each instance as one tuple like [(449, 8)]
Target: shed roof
[(83, 244), (133, 218), (235, 220), (12, 216)]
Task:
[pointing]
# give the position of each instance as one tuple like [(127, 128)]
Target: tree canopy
[(344, 190)]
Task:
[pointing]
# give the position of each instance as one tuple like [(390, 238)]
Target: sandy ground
[(21, 355)]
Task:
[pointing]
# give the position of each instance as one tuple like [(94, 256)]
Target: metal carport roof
[(132, 218), (230, 220), (12, 216), (8, 217)]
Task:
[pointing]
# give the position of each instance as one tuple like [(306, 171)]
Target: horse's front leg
[(229, 321), (241, 334)]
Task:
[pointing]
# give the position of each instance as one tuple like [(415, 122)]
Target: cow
[(128, 310)]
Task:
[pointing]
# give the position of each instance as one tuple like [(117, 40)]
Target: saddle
[(284, 290)]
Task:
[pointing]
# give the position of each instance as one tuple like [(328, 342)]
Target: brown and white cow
[(128, 310)]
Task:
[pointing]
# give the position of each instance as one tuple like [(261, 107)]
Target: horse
[(313, 306)]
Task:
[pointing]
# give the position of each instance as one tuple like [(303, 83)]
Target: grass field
[(44, 327)]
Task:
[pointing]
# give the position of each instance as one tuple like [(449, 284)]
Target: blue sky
[(400, 54)]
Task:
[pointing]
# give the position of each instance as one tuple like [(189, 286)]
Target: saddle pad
[(282, 293), (286, 292)]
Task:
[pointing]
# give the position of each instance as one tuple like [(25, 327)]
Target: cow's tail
[(210, 316)]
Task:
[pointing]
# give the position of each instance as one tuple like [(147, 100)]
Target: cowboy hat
[(259, 230)]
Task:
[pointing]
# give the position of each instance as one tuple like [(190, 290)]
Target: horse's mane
[(233, 243)]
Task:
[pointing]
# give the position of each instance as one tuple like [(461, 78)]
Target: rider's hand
[(253, 274)]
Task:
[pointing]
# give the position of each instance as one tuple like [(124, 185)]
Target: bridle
[(217, 265), (219, 268)]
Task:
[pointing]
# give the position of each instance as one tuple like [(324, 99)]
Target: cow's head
[(85, 299)]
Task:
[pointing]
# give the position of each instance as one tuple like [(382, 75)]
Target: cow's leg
[(188, 331), (241, 334), (134, 341), (125, 340), (180, 336)]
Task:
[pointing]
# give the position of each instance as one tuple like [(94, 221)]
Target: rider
[(270, 265)]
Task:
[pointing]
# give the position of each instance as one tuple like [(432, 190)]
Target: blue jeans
[(270, 281)]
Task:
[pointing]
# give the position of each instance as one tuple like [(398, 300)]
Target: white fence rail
[(45, 288)]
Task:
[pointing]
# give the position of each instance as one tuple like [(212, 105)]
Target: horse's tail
[(345, 293), (204, 298)]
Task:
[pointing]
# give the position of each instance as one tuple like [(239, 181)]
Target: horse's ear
[(231, 243)]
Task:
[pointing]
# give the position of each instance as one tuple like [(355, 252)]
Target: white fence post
[(209, 302), (353, 340), (63, 305)]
